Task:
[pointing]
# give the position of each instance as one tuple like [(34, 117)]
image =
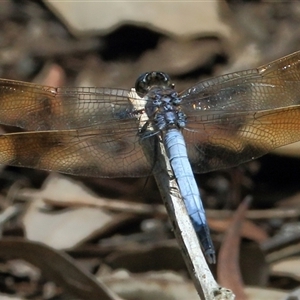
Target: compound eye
[(149, 80)]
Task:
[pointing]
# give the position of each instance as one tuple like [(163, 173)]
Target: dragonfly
[(217, 123)]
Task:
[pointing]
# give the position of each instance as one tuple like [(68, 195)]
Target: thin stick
[(202, 277)]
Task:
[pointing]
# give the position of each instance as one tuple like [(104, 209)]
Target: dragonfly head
[(147, 81)]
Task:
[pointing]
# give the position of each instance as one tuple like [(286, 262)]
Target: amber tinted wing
[(240, 116), (83, 131), (80, 152), (39, 108)]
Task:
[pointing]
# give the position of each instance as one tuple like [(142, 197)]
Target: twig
[(229, 272), (203, 279)]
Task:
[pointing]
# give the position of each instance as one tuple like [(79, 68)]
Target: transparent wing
[(92, 131), (82, 131), (86, 152), (39, 108), (240, 116)]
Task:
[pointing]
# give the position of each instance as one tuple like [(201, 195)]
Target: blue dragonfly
[(217, 123)]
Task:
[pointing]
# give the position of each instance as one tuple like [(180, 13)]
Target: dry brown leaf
[(255, 293), (151, 285), (63, 229), (288, 268), (6, 297), (178, 18)]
